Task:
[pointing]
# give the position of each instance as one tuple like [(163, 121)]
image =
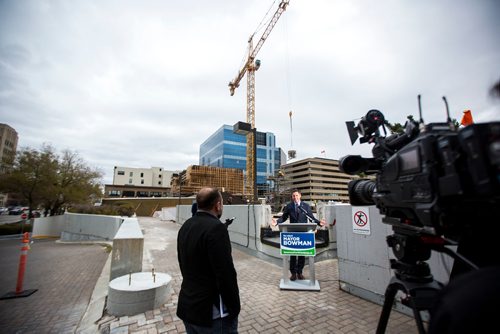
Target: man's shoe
[(300, 276), (293, 277)]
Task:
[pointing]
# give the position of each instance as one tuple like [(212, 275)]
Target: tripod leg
[(418, 317), (390, 293)]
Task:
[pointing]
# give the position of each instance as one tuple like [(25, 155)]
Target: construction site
[(191, 180)]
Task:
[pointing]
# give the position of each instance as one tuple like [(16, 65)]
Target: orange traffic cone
[(466, 118), (20, 274)]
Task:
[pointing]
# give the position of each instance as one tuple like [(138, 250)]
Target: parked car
[(3, 210), (17, 210)]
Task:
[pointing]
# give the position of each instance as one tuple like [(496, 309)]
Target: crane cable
[(287, 77), (264, 22)]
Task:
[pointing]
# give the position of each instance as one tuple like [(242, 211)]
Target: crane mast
[(251, 65)]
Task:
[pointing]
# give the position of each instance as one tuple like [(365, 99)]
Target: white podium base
[(286, 284)]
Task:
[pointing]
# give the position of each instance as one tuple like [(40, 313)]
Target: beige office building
[(142, 177), (8, 148), (8, 145), (318, 179), (139, 182)]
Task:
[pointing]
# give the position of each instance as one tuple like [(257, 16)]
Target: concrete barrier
[(77, 227), (48, 226), (128, 245)]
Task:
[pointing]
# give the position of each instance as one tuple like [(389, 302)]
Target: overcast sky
[(144, 83)]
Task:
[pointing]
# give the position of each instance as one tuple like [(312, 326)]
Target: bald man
[(209, 299)]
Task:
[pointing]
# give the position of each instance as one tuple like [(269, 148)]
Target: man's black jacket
[(204, 253)]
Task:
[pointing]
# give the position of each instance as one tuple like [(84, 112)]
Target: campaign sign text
[(297, 243)]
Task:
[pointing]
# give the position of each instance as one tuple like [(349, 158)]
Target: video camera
[(437, 186), (430, 179)]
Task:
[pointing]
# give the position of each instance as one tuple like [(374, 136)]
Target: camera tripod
[(412, 274), (416, 281)]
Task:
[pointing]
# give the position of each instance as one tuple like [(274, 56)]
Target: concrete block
[(128, 246)]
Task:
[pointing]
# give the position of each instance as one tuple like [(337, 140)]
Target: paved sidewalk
[(265, 308), (65, 276)]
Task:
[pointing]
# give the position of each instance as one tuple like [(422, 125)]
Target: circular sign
[(24, 215), (360, 218)]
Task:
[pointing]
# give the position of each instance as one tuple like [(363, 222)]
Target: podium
[(311, 283)]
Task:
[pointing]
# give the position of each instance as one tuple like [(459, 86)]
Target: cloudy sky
[(144, 83)]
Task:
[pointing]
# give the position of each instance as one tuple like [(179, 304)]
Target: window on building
[(159, 183), (131, 174), (142, 174), (121, 172), (114, 193), (159, 176), (142, 181), (260, 138), (130, 181)]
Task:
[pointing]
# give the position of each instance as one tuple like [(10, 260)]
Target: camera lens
[(352, 164), (361, 191)]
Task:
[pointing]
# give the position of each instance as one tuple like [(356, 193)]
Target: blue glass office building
[(227, 149)]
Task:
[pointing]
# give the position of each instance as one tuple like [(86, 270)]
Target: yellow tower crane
[(250, 66)]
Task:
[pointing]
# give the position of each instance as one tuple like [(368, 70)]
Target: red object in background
[(467, 118), (24, 215)]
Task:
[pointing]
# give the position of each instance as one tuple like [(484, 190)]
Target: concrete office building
[(226, 149), (139, 182), (318, 179), (8, 148), (8, 145)]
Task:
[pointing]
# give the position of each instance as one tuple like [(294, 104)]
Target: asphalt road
[(8, 219)]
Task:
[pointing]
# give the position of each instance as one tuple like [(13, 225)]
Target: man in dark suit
[(296, 210), (209, 298)]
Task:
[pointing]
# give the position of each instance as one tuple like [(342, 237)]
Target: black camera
[(437, 186), (430, 178)]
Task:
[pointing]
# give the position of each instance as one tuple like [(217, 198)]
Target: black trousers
[(296, 266)]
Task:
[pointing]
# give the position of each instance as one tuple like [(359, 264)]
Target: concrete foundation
[(137, 293)]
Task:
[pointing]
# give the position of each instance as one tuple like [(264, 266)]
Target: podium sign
[(297, 243), (298, 239)]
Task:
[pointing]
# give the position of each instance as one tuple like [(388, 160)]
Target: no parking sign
[(360, 220)]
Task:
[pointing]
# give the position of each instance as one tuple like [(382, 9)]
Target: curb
[(97, 304)]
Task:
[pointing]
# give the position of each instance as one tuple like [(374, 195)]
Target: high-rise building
[(8, 145), (318, 179), (227, 149)]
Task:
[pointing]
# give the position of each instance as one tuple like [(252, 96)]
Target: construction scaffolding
[(191, 180)]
